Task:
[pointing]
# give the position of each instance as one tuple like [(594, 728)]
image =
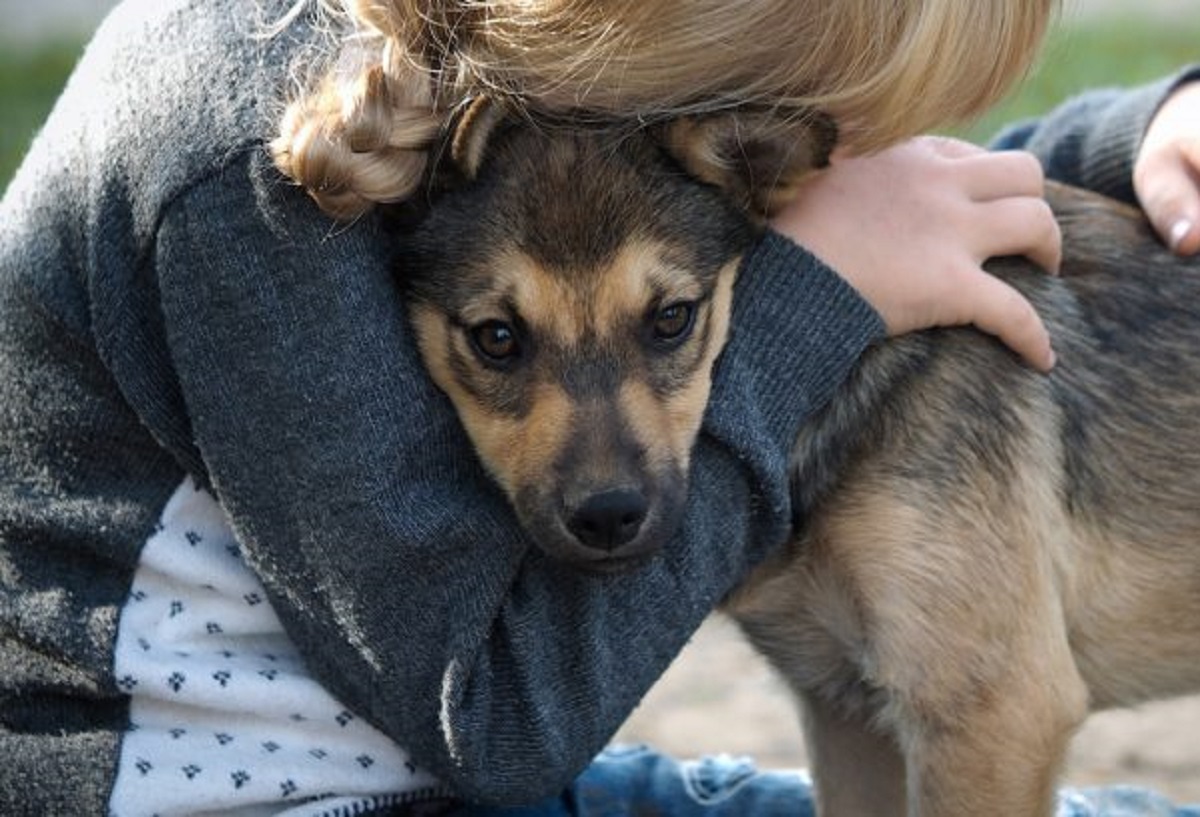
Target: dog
[(981, 555)]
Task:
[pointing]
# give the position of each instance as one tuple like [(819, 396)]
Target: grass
[(30, 80), (1118, 51), (1106, 52)]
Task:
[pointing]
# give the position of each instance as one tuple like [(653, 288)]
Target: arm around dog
[(395, 564)]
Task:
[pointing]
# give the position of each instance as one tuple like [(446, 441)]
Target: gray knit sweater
[(169, 306)]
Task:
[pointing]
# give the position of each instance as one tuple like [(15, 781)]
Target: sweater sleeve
[(1092, 140), (394, 562)]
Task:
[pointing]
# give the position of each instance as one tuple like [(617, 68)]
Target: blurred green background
[(1090, 51), (1083, 51), (30, 79)]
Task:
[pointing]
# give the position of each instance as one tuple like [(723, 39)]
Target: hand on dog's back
[(911, 226)]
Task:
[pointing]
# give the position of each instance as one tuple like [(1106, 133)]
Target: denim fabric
[(628, 781), (1119, 801), (635, 781)]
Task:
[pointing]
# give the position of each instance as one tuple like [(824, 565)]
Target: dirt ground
[(719, 696)]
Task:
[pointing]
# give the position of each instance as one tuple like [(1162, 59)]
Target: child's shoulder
[(169, 90)]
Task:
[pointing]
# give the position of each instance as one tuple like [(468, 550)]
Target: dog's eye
[(673, 322), (495, 340)]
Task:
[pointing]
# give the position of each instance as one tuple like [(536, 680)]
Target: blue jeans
[(635, 780)]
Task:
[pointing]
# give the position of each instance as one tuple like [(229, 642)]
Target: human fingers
[(1187, 239), (1165, 176), (997, 308), (1000, 174), (1022, 225), (1167, 183)]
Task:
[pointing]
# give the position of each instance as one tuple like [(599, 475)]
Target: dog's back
[(983, 552)]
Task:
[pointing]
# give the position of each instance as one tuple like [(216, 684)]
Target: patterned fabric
[(224, 717)]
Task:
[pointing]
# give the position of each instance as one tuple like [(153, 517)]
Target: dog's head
[(571, 292)]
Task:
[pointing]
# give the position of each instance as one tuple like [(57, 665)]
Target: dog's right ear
[(471, 133), (756, 158)]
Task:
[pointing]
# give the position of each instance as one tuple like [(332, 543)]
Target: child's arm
[(1137, 145), (394, 563)]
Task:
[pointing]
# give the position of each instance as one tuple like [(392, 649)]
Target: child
[(247, 553)]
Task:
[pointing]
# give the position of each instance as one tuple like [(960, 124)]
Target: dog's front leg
[(994, 747), (857, 771)]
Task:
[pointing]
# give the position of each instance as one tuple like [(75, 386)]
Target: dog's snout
[(607, 520)]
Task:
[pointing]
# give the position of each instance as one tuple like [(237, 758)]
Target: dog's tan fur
[(981, 555)]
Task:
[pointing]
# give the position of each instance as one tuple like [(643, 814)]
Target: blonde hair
[(884, 69)]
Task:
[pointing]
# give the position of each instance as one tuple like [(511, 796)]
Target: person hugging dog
[(250, 563)]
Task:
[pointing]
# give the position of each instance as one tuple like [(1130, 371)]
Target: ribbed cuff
[(797, 330), (1110, 150)]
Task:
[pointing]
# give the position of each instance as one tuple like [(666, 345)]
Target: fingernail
[(1179, 231)]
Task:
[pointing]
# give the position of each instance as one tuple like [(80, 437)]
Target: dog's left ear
[(756, 158), (472, 132), (462, 149)]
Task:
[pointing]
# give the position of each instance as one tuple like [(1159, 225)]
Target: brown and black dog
[(981, 553)]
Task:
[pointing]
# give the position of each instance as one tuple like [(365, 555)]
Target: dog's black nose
[(608, 520)]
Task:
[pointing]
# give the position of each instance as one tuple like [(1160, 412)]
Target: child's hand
[(1166, 175), (911, 226)]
